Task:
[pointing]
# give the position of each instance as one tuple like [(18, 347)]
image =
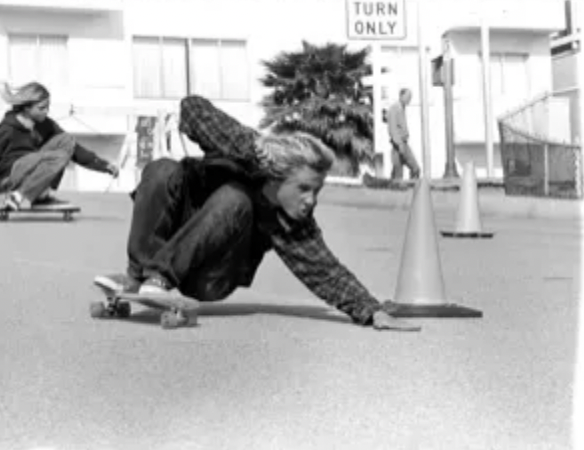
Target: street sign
[(376, 20), (145, 130)]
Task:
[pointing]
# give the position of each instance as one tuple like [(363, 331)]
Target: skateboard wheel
[(169, 320), (97, 310), (123, 310), (183, 321)]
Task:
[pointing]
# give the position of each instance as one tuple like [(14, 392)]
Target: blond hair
[(25, 95), (281, 155)]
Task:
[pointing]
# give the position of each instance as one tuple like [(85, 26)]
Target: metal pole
[(160, 149), (379, 130), (450, 170), (488, 112), (546, 171), (422, 67), (578, 396)]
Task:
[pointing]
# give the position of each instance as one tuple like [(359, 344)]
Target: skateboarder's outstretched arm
[(218, 134), (84, 157), (305, 253)]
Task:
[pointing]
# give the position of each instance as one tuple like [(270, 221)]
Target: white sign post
[(376, 21)]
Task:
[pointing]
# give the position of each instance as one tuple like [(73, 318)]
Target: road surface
[(275, 368)]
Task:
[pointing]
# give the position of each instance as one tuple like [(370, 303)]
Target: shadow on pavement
[(150, 316), (101, 218), (58, 217)]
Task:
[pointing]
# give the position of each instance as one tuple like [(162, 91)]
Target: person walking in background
[(35, 151), (401, 153)]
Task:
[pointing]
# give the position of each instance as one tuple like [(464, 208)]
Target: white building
[(110, 58), (567, 66)]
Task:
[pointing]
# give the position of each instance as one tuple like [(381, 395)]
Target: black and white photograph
[(291, 225)]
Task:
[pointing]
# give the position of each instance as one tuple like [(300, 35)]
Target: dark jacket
[(17, 141), (230, 154)]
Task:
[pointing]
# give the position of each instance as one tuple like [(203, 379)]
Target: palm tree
[(319, 91)]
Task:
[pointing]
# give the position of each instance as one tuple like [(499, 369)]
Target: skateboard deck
[(178, 310), (67, 211)]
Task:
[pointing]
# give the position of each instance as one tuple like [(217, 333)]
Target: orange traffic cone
[(420, 290), (468, 221)]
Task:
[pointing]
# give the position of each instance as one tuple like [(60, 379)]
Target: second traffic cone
[(420, 290), (468, 220)]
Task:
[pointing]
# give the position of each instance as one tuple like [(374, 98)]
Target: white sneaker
[(117, 282), (14, 201), (154, 285)]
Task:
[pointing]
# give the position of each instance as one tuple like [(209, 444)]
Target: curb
[(492, 200)]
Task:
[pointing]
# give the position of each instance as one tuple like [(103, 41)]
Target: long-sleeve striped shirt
[(300, 245)]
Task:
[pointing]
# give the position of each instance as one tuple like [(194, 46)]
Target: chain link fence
[(535, 162)]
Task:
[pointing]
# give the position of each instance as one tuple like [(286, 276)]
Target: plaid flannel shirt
[(300, 245)]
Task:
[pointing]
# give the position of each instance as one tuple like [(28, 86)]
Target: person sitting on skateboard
[(203, 226), (35, 151)]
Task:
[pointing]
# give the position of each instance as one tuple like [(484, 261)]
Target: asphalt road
[(275, 368)]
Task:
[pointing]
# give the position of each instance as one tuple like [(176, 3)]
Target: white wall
[(269, 27), (567, 82), (83, 5), (469, 123), (513, 15), (468, 94), (98, 66), (101, 52), (276, 25)]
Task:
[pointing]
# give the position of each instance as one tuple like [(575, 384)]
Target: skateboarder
[(203, 226), (35, 151)]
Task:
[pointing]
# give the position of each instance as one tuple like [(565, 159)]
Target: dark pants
[(36, 172), (198, 247), (400, 157)]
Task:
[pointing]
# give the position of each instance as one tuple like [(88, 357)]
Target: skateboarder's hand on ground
[(383, 321)]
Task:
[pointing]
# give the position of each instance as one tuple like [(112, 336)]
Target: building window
[(41, 58), (173, 68), (219, 69), (160, 67), (509, 75)]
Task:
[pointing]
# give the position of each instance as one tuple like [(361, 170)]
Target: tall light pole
[(487, 105), (380, 130), (578, 402), (423, 71), (450, 169)]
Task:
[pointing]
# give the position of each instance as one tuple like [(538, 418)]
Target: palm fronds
[(319, 91)]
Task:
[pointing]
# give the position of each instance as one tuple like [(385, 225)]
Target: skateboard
[(67, 211), (178, 310)]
